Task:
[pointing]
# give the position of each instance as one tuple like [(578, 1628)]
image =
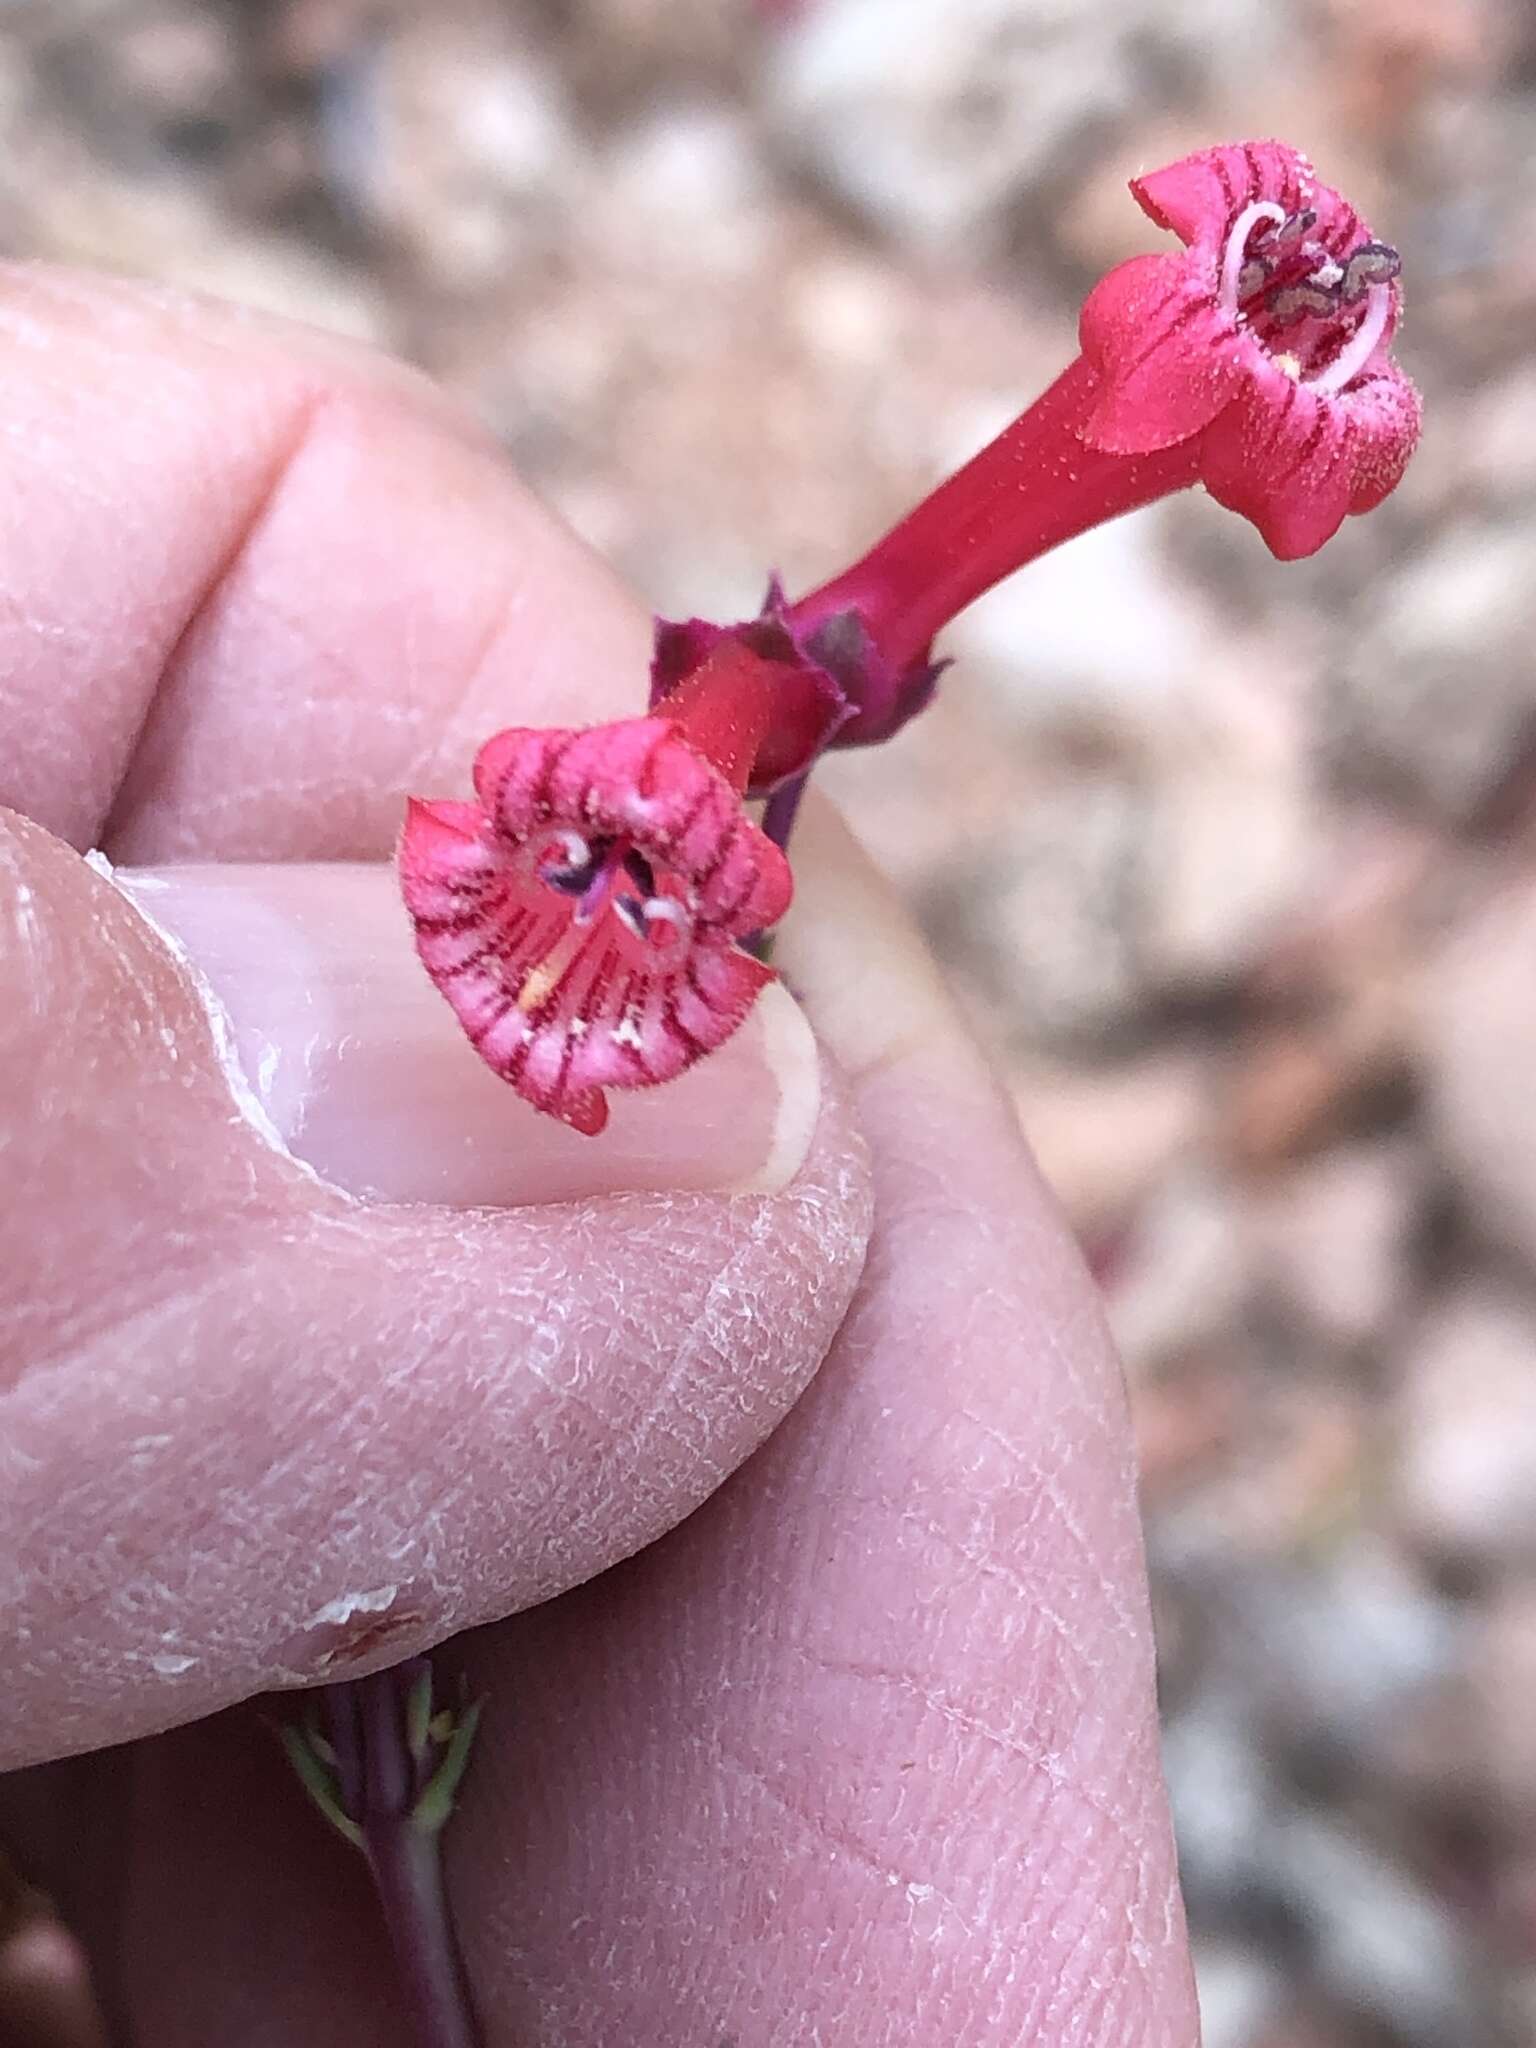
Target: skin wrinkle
[(816, 1824), (1109, 1810), (1087, 1556), (500, 629), (94, 1344), (188, 817), (1103, 2013), (124, 651), (295, 435), (1040, 1762), (705, 1343), (180, 796), (818, 1827), (993, 1568)]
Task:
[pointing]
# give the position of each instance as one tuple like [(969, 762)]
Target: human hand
[(864, 1751)]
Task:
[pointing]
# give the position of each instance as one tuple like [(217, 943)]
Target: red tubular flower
[(1267, 338), (1254, 361), (582, 917)]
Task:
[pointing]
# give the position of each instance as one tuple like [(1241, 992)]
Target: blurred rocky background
[(1235, 864)]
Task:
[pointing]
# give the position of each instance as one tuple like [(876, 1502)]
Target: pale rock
[(939, 121), (682, 183), (1290, 1452), (177, 65), (932, 120), (848, 309), (1059, 908), (1432, 694), (1240, 1990), (1224, 1795), (1343, 1646), (1102, 645), (1229, 854), (170, 232), (1184, 1275), (1105, 1135), (622, 55), (1333, 1237), (1478, 1000), (1381, 1942), (467, 151), (1465, 1400), (1501, 1673), (1496, 450), (1103, 629)]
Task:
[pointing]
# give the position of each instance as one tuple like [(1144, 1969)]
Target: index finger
[(255, 584)]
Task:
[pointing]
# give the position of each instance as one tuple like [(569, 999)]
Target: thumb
[(344, 1054), (276, 1402)]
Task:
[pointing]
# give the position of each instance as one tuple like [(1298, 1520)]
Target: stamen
[(600, 887), (568, 862), (1237, 246), (1293, 302), (630, 912), (662, 910), (1252, 278), (640, 871), (1361, 346), (1372, 263), (574, 849)]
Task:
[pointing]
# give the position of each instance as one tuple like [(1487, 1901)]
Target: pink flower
[(1254, 361), (1267, 337), (583, 917)]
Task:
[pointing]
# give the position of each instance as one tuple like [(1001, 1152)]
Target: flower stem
[(1036, 485), (779, 814), (407, 1866), (385, 1770), (782, 808)]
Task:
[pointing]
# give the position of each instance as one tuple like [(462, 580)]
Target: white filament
[(1237, 246), (664, 909), (574, 850), (1357, 352)]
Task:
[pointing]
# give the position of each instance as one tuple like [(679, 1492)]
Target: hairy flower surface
[(583, 917), (1256, 360), (1268, 336)]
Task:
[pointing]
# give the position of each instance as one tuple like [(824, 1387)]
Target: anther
[(1372, 263), (1293, 302), (575, 861)]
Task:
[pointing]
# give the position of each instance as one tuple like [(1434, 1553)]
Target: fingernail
[(345, 1054)]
